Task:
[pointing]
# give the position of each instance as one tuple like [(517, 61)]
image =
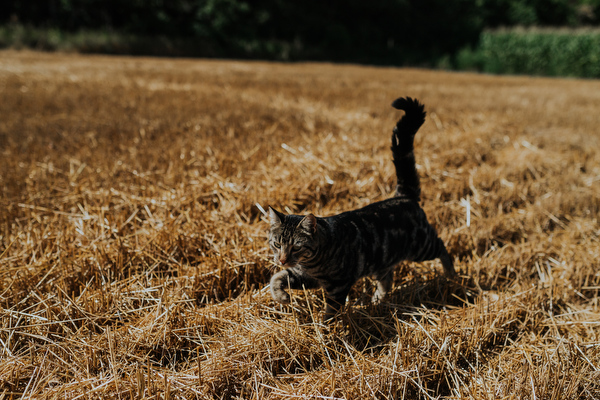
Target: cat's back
[(389, 213), (377, 236)]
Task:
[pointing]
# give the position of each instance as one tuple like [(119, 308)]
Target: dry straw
[(133, 257)]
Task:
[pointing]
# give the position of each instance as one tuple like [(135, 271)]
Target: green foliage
[(467, 59), (550, 52)]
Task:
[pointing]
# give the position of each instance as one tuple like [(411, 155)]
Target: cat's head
[(292, 237)]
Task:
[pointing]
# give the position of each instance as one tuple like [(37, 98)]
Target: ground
[(133, 254)]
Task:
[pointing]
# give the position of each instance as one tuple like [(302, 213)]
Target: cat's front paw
[(277, 292), (281, 296)]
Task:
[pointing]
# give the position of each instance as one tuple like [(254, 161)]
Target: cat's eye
[(277, 245), (296, 247)]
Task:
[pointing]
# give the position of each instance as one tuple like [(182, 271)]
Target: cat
[(334, 252)]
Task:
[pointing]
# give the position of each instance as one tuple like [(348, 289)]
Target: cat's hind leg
[(335, 300), (433, 247), (446, 261), (292, 278)]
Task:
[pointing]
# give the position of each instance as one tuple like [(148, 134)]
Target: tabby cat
[(334, 252)]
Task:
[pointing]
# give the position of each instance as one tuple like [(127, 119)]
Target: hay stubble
[(133, 257)]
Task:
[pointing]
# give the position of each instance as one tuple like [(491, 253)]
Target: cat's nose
[(283, 260)]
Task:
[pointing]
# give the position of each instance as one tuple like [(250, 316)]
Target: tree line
[(399, 32)]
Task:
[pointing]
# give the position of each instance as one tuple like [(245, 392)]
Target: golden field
[(133, 254)]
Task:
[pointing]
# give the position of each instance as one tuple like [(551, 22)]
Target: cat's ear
[(275, 217), (309, 224)]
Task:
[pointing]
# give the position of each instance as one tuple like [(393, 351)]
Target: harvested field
[(133, 254)]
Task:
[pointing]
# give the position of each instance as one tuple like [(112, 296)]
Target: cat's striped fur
[(334, 252)]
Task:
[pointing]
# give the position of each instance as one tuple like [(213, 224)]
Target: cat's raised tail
[(408, 184)]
